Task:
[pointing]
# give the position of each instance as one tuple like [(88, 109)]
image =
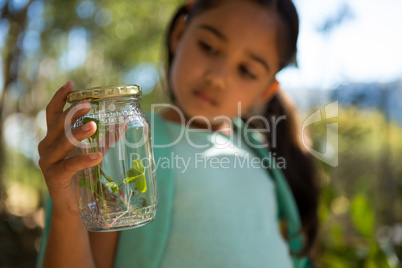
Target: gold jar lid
[(104, 92)]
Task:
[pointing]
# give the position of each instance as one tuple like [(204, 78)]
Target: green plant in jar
[(134, 175), (120, 192)]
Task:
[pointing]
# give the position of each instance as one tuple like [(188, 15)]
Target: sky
[(365, 47)]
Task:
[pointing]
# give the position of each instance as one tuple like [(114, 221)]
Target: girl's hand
[(57, 166)]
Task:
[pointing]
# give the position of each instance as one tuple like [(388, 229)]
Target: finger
[(114, 134), (65, 144), (56, 104), (63, 123), (68, 167)]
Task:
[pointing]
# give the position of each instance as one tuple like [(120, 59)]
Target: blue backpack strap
[(145, 246), (48, 210), (287, 207)]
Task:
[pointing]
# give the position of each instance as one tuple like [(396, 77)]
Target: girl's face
[(223, 56)]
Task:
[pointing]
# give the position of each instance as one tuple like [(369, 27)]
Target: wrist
[(63, 214)]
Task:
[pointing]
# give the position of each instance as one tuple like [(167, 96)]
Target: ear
[(270, 91), (177, 32)]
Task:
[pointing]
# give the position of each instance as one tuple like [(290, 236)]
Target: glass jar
[(121, 192)]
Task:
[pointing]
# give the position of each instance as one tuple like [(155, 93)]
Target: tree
[(48, 42)]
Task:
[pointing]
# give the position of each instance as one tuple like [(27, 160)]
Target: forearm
[(68, 243)]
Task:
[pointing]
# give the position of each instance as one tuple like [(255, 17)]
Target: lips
[(204, 98)]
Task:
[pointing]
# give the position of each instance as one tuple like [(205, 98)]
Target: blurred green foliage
[(361, 201), (43, 44)]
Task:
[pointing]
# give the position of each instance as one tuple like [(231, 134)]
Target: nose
[(216, 75)]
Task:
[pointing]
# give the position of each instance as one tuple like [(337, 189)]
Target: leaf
[(87, 184), (133, 173), (128, 180), (137, 170), (139, 181), (136, 175), (138, 165), (112, 185)]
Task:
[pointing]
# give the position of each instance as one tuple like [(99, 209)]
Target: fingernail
[(86, 127), (69, 84), (84, 104), (66, 84), (95, 156)]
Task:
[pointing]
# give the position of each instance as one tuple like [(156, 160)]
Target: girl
[(223, 56)]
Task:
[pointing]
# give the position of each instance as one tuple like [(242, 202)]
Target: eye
[(207, 48), (246, 72)]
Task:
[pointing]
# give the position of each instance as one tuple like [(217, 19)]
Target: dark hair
[(300, 171)]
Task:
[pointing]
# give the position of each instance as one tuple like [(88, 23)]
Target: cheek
[(176, 75), (181, 68)]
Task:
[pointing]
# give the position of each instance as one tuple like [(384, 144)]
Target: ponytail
[(300, 171)]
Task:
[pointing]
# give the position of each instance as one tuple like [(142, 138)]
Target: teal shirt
[(234, 215), (224, 207)]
